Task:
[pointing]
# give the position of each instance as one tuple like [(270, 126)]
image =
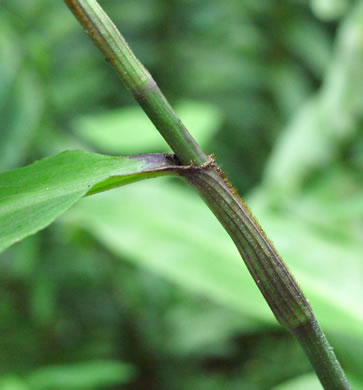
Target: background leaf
[(13, 383), (89, 375), (196, 262), (310, 382), (327, 120), (129, 130), (207, 262)]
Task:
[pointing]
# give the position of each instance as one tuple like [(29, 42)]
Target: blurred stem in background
[(274, 280)]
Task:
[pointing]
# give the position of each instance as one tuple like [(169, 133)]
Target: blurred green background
[(140, 288)]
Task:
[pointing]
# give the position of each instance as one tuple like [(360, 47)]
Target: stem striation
[(276, 283), (270, 273)]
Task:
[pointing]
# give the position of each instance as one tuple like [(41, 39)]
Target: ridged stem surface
[(270, 273)]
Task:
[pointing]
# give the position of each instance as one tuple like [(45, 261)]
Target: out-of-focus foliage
[(84, 376), (140, 288), (138, 133), (308, 381)]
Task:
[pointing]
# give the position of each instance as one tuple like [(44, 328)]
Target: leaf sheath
[(270, 273), (268, 270)]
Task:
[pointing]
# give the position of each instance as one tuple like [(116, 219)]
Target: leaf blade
[(33, 197)]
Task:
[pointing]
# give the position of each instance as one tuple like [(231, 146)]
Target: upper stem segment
[(138, 80)]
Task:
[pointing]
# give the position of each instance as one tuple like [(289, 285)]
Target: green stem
[(270, 273), (321, 355), (279, 288), (137, 79)]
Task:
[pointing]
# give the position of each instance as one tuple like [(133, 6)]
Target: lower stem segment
[(321, 356), (276, 283)]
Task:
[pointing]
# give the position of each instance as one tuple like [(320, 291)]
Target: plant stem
[(279, 288), (321, 355), (270, 273), (137, 79)]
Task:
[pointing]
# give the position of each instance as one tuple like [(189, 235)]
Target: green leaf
[(309, 41), (311, 382), (290, 86), (13, 383), (173, 234), (21, 100), (308, 381), (20, 113), (329, 9), (326, 121), (138, 133), (33, 197), (87, 376), (11, 57)]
